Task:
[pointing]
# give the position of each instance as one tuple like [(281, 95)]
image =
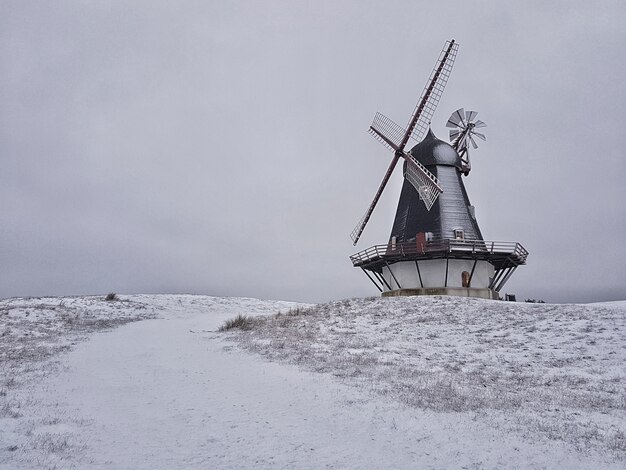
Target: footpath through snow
[(171, 393)]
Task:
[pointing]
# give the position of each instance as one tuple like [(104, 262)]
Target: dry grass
[(241, 322), (555, 370)]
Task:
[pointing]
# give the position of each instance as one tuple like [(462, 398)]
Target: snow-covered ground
[(372, 383)]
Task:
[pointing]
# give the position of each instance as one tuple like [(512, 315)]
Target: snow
[(149, 382)]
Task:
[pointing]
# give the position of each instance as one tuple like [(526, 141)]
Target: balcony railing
[(446, 248)]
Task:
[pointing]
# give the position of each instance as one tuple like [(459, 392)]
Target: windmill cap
[(432, 151)]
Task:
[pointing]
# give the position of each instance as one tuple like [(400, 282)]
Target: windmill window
[(459, 235)]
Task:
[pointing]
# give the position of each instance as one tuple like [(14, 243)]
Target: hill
[(148, 382)]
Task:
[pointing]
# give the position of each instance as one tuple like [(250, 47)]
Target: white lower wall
[(433, 272)]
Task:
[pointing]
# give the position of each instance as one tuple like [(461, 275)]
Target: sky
[(221, 148)]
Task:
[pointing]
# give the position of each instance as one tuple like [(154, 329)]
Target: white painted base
[(432, 274)]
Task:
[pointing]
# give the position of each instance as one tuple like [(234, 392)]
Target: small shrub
[(111, 296), (294, 312), (242, 322)]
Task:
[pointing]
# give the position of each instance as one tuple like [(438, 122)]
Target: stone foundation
[(457, 291)]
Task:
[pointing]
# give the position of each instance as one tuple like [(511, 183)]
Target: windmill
[(435, 246)]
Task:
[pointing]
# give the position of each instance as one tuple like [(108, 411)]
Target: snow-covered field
[(544, 371), (44, 368), (430, 382)]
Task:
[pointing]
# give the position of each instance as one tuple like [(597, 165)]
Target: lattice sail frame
[(423, 122), (387, 132), (423, 181)]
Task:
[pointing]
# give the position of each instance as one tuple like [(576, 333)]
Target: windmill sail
[(358, 230), (433, 91), (423, 181), (387, 131), (396, 138)]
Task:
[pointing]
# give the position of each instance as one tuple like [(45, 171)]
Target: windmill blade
[(456, 119), (470, 115), (358, 230), (454, 134), (429, 99), (474, 144), (479, 135), (386, 131), (478, 124), (426, 184)]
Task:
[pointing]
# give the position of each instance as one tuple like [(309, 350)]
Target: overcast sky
[(220, 147)]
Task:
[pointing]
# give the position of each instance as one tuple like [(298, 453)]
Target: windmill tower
[(435, 245)]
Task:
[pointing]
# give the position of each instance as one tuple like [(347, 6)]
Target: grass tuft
[(242, 322), (111, 296)]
